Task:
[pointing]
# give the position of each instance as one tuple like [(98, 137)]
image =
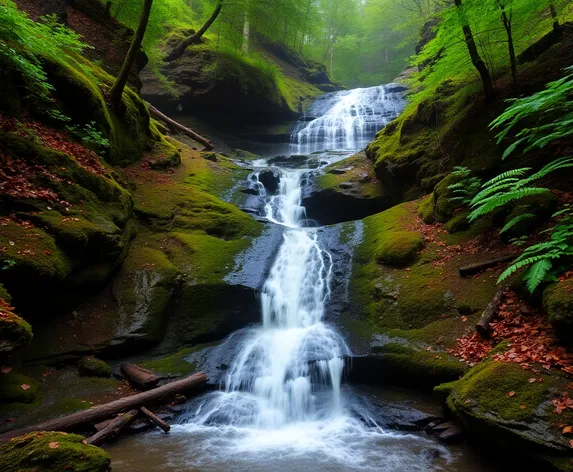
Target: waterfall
[(283, 405), (347, 120)]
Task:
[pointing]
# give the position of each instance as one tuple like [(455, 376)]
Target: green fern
[(466, 189), (515, 221), (544, 260)]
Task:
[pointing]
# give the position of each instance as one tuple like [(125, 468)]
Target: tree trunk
[(155, 419), (99, 413), (508, 28), (477, 268), (116, 91), (55, 7), (177, 127), (482, 327), (178, 50), (556, 26), (477, 61), (113, 428), (141, 378)]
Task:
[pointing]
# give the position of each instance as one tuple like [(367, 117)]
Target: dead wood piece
[(155, 419), (178, 127), (113, 428), (477, 268), (98, 413), (142, 378), (482, 327)]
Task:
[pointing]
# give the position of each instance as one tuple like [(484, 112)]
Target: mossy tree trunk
[(121, 81), (178, 50), (477, 61)]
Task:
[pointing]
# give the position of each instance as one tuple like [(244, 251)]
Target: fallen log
[(113, 428), (179, 128), (477, 268), (101, 412), (143, 379), (155, 419), (482, 327)]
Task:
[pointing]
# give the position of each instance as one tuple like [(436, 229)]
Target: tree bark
[(99, 413), (178, 50), (113, 428), (556, 26), (155, 419), (477, 61), (482, 327), (116, 91), (508, 28), (141, 378), (177, 127), (477, 268)]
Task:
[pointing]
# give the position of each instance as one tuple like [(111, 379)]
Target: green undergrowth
[(51, 451)]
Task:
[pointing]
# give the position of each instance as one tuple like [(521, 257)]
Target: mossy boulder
[(399, 248), (539, 209), (426, 210), (499, 402), (51, 452), (90, 366), (414, 151), (15, 332), (558, 303), (459, 222), (347, 190), (18, 388)]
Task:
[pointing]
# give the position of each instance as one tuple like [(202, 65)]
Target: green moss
[(399, 248), (5, 295), (444, 207), (407, 365), (90, 366), (176, 363), (52, 451), (558, 303), (444, 390), (11, 390), (426, 210), (15, 332), (412, 149), (458, 223), (66, 406), (128, 128), (297, 94)]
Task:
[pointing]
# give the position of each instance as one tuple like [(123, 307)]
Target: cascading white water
[(283, 406), (348, 119)]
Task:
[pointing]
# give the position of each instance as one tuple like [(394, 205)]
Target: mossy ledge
[(52, 451)]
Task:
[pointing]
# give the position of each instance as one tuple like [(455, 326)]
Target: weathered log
[(482, 327), (178, 127), (98, 413), (142, 378), (113, 428), (155, 419), (477, 268)]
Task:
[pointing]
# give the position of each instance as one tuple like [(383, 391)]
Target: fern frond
[(536, 274), (516, 220)]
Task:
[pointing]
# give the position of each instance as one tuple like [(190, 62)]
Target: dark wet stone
[(270, 180), (452, 435)]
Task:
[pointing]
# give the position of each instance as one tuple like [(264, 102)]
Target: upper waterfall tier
[(347, 120)]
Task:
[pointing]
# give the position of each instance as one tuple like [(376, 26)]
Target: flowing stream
[(283, 405)]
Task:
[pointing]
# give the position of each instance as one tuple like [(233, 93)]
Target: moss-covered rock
[(426, 210), (499, 402), (414, 151), (347, 190), (51, 452), (558, 303), (539, 209), (15, 332), (90, 366), (18, 388), (399, 248), (459, 222)]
